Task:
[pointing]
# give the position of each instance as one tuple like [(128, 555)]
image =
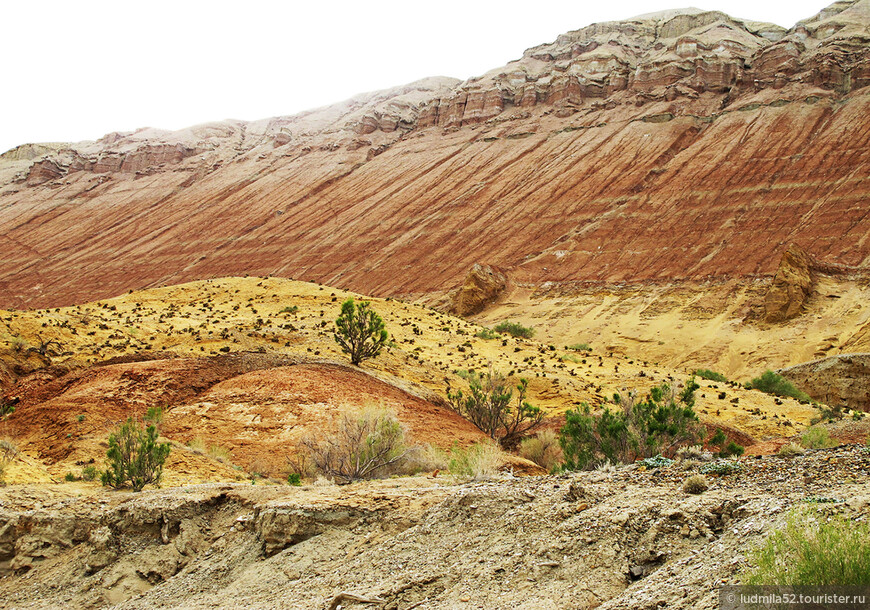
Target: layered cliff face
[(674, 146)]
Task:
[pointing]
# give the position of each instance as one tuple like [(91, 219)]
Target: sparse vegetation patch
[(813, 549), (710, 375), (515, 329), (660, 423), (772, 383)]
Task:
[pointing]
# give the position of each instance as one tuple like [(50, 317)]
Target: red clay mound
[(247, 404), (261, 416)]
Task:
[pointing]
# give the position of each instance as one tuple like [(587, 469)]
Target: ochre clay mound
[(54, 414), (247, 405), (261, 417), (685, 144)]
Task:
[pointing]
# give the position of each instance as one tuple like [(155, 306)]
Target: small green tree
[(135, 457), (487, 405), (359, 331)]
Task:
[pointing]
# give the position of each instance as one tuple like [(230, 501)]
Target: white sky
[(78, 69)]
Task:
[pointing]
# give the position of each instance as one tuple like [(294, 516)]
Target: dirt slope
[(627, 539), (248, 366)]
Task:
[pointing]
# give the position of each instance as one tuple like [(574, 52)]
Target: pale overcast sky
[(75, 70)]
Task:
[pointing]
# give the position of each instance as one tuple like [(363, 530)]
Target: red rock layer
[(670, 170)]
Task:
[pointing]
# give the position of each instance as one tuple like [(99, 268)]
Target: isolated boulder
[(483, 284), (791, 286)]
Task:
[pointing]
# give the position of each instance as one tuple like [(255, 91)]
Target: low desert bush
[(543, 449), (197, 445), (221, 454), (486, 333), (656, 461), (135, 457), (154, 415), (816, 437), (813, 549), (478, 461), (690, 452), (772, 383), (515, 329), (422, 458), (710, 375), (8, 448), (6, 408), (365, 446), (579, 347), (89, 473), (487, 403), (732, 449), (695, 484), (659, 424), (790, 450)]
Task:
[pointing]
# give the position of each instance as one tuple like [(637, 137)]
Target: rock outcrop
[(841, 380), (482, 286), (680, 145), (791, 286)]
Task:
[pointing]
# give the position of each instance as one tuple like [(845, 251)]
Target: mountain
[(686, 146)]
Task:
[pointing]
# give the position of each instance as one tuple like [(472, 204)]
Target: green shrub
[(718, 438), (515, 329), (732, 449), (197, 444), (478, 461), (816, 437), (771, 383), (70, 477), (542, 449), (579, 347), (710, 375), (813, 549), (635, 429), (695, 484), (89, 473), (291, 309), (135, 457), (359, 331), (154, 415), (487, 405), (295, 479), (486, 333), (221, 454), (827, 413), (6, 408)]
